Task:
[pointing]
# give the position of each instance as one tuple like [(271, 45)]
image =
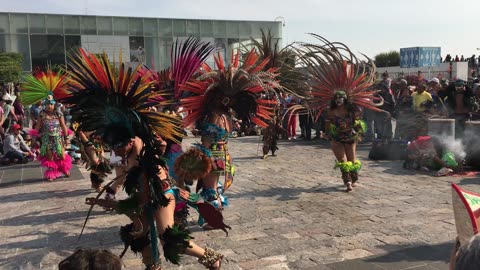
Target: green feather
[(176, 241), (129, 205)]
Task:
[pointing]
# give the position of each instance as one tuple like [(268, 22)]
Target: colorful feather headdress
[(116, 105), (105, 99), (333, 69), (238, 87), (39, 85), (186, 59)]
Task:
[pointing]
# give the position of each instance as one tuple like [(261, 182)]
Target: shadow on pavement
[(45, 218), (405, 252), (287, 194), (43, 195)]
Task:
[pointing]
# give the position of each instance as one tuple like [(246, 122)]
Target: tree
[(388, 59), (10, 67)]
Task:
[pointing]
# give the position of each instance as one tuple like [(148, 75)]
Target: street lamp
[(283, 20)]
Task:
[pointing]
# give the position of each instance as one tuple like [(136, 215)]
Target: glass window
[(232, 29), (206, 28), (135, 26), (72, 24), (21, 45), (37, 23), (88, 25), (179, 28), (193, 28), (255, 29), (4, 43), (219, 29), (165, 27), (48, 50), (104, 26), (244, 29), (4, 23), (72, 43), (120, 26), (137, 51), (150, 27), (54, 24), (18, 23), (152, 52), (221, 47)]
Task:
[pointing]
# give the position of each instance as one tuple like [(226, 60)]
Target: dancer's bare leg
[(164, 218)]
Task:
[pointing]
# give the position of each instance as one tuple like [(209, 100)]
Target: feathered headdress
[(334, 69), (107, 100), (283, 61), (186, 59), (39, 85), (115, 104), (238, 87)]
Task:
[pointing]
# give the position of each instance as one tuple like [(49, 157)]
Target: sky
[(366, 26)]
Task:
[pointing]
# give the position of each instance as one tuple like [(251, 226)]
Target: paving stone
[(291, 207)]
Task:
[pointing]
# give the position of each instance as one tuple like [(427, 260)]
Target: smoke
[(466, 148), (456, 146)]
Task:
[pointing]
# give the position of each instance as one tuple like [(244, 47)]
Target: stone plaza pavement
[(286, 212)]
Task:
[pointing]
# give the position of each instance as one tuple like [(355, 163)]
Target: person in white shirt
[(15, 148)]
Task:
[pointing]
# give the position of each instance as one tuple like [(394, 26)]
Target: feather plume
[(37, 86), (333, 67), (238, 87)]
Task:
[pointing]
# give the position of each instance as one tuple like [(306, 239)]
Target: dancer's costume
[(214, 95), (92, 151), (115, 106), (336, 71), (186, 59), (48, 86)]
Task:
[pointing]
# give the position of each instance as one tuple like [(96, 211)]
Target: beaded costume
[(213, 96), (48, 85), (336, 73)]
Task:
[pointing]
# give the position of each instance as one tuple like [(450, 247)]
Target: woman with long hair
[(339, 82), (53, 135)]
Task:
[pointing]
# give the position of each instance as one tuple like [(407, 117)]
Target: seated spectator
[(91, 259), (14, 147)]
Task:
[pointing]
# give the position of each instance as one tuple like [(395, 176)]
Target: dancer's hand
[(184, 194)]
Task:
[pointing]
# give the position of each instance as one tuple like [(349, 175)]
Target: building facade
[(46, 39)]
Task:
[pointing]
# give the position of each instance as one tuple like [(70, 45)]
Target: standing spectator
[(292, 119), (386, 79), (35, 110), (462, 103), (462, 59), (2, 118), (403, 113), (19, 111), (14, 147), (382, 120), (9, 116), (421, 98), (475, 87), (456, 58), (448, 58)]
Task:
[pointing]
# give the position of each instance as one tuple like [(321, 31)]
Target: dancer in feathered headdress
[(340, 83), (116, 107), (215, 95), (50, 127)]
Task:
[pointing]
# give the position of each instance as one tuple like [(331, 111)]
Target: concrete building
[(47, 38)]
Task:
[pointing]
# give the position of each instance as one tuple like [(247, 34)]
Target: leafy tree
[(388, 59), (10, 67)]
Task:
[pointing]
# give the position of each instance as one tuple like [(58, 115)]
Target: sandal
[(210, 258)]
